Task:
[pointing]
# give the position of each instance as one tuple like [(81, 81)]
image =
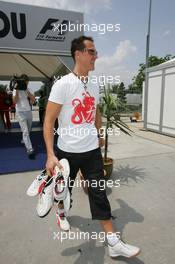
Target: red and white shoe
[(45, 200), (61, 188), (38, 184), (62, 221)]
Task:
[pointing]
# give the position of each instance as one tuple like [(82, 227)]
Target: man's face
[(88, 56)]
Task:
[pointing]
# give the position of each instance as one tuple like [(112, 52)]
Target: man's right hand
[(51, 162)]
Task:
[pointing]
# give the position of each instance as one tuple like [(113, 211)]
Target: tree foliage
[(136, 86), (115, 88), (121, 93)]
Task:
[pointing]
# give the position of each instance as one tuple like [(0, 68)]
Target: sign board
[(34, 29)]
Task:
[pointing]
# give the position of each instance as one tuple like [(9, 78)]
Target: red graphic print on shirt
[(84, 112)]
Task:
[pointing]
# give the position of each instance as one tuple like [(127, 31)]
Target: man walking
[(74, 101), (23, 99)]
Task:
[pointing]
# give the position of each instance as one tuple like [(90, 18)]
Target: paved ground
[(143, 208)]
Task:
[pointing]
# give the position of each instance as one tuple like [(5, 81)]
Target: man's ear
[(77, 52)]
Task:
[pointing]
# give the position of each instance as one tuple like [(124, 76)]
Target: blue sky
[(121, 52)]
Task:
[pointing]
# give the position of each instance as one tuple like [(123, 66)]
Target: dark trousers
[(91, 165)]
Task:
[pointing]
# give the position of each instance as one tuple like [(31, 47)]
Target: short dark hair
[(78, 44)]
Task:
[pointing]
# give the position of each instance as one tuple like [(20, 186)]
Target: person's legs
[(7, 117), (41, 115), (92, 170), (22, 118), (12, 113), (107, 226), (2, 113), (29, 120)]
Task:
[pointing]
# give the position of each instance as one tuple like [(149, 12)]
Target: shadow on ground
[(91, 252), (127, 175)]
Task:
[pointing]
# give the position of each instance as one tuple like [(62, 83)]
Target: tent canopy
[(37, 67)]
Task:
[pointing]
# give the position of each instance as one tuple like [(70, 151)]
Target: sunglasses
[(91, 51)]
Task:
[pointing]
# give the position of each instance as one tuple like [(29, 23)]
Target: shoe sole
[(126, 256)]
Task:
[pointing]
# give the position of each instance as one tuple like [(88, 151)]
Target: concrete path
[(143, 210)]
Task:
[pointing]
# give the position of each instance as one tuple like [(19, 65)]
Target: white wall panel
[(155, 73), (169, 102), (154, 97), (169, 131), (154, 127), (170, 70)]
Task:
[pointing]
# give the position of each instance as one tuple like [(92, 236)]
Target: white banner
[(33, 29)]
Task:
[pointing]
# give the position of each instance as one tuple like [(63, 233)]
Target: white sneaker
[(61, 188), (62, 221), (38, 184), (45, 200), (123, 249)]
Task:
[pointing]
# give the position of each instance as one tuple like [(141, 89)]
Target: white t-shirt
[(23, 102), (77, 132)]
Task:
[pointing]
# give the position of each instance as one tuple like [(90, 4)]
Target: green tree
[(121, 93), (115, 88), (136, 86)]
